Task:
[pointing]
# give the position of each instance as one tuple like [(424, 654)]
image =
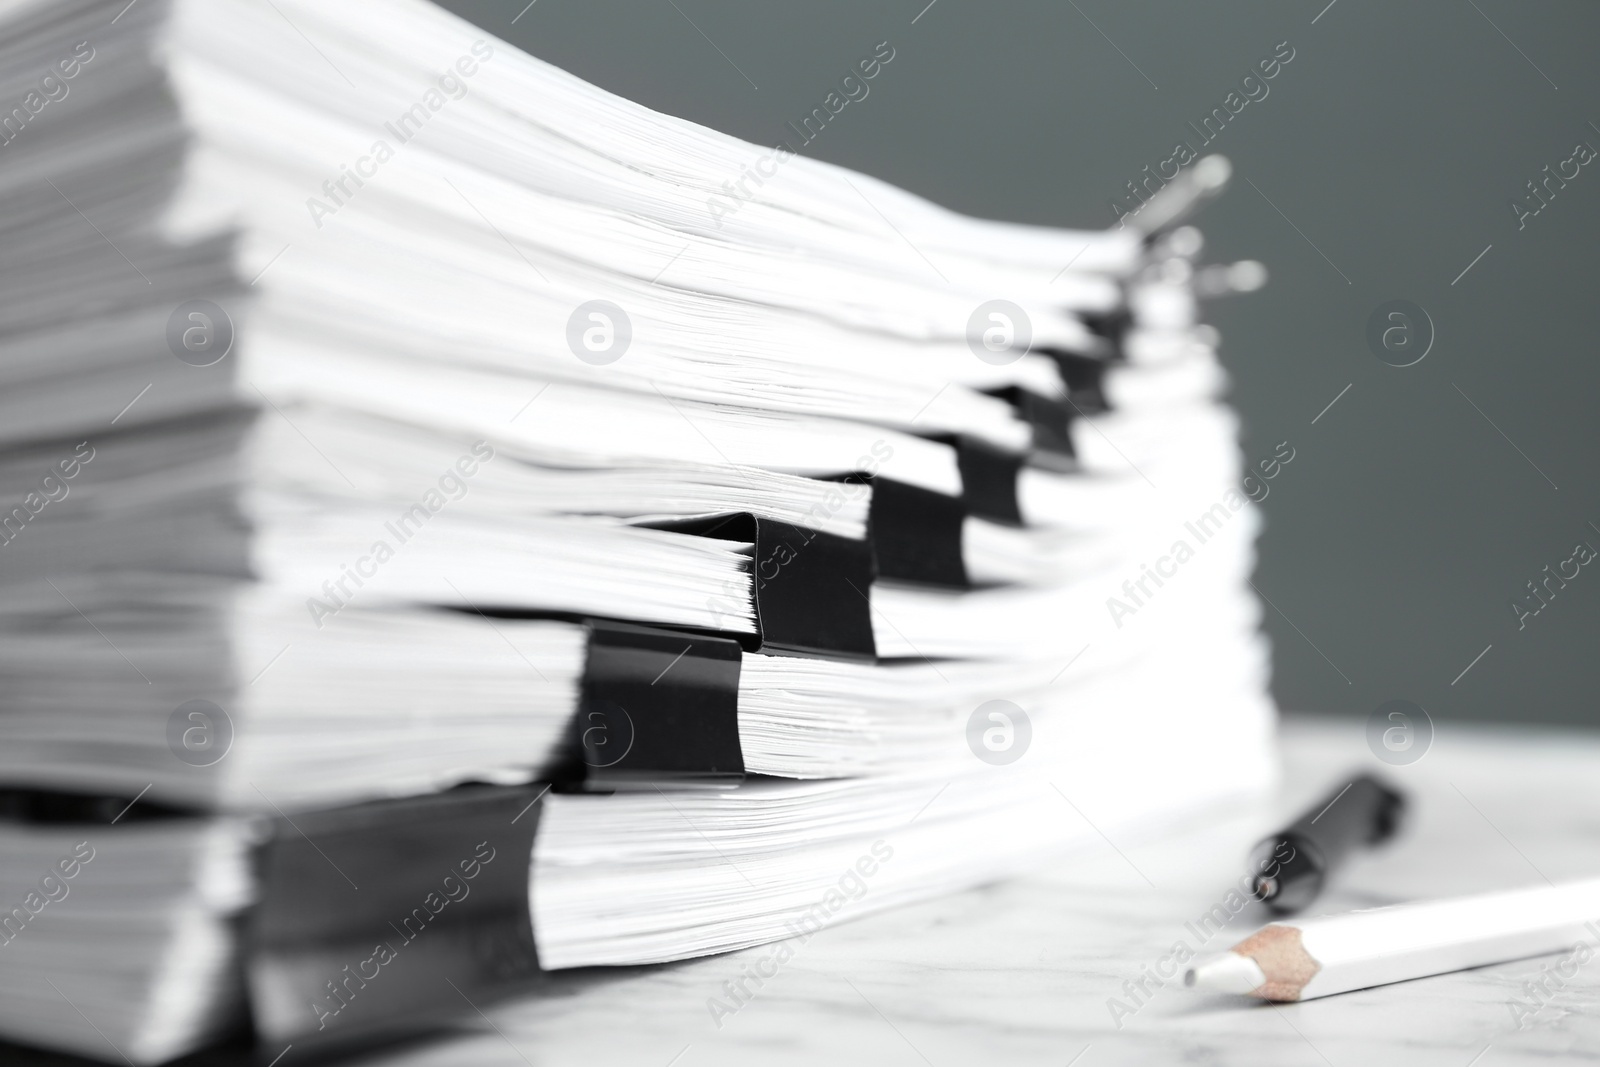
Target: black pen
[(1290, 868)]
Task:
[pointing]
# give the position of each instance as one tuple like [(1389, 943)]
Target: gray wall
[(1390, 148)]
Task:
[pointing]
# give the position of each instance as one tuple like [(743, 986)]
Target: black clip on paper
[(1085, 378), (1113, 326), (389, 917), (659, 707), (916, 534), (989, 480), (1050, 420), (811, 588)]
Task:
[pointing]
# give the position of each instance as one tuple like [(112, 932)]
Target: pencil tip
[(1226, 973)]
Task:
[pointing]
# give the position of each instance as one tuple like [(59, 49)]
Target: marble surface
[(1031, 970)]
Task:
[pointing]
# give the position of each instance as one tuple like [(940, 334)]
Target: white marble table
[(1024, 971)]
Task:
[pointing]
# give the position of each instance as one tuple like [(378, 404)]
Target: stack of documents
[(389, 424)]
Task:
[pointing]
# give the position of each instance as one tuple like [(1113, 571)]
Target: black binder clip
[(370, 913), (659, 707), (811, 589)]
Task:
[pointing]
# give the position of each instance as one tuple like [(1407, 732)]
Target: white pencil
[(1337, 953)]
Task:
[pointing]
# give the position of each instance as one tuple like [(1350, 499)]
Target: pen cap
[(1361, 811), (1391, 813)]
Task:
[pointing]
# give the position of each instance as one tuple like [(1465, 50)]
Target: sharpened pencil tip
[(1226, 973)]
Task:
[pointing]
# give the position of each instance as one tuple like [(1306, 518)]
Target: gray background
[(1394, 141)]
